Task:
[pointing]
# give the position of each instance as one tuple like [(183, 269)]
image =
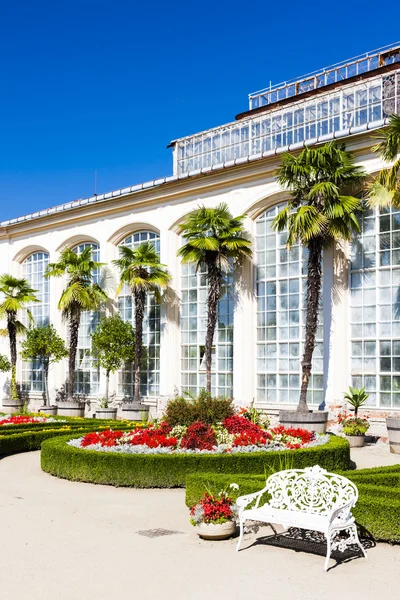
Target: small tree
[(113, 344), (45, 345)]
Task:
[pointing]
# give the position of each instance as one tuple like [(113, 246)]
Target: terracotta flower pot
[(71, 410), (12, 406), (48, 410), (216, 531), (311, 421), (356, 441), (135, 412), (393, 427), (106, 413)]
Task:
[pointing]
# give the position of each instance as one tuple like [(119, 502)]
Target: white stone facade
[(248, 189)]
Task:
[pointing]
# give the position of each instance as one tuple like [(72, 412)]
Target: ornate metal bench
[(310, 499)]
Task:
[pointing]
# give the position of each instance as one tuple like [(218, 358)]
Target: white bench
[(310, 499)]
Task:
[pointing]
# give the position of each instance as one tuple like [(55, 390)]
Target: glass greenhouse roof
[(346, 109), (341, 71)]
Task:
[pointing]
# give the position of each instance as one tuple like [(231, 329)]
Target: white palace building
[(258, 344)]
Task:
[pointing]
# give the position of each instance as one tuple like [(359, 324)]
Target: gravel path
[(76, 541)]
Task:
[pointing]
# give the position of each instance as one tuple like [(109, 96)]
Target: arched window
[(150, 376), (33, 269), (194, 289), (87, 371), (280, 290), (375, 307)]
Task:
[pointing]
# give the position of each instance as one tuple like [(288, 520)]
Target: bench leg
[(241, 525), (357, 540), (328, 551)]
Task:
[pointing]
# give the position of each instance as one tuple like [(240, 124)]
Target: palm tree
[(16, 293), (217, 241), (319, 212), (141, 270), (80, 294), (384, 189)]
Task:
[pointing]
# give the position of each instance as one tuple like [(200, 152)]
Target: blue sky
[(104, 86)]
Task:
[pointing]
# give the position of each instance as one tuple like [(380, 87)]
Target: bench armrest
[(244, 501), (342, 513)]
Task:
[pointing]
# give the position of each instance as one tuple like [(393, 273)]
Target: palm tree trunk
[(73, 346), (139, 297), (214, 292), (314, 281), (12, 336)]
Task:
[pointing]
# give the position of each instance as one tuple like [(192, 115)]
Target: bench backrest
[(311, 490)]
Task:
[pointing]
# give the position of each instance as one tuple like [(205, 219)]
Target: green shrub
[(171, 470), (204, 408)]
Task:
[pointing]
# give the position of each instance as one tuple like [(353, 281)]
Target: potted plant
[(320, 213), (68, 407), (214, 517), (45, 345), (355, 428), (113, 344), (105, 411)]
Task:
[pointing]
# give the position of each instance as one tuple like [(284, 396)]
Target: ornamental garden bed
[(170, 469)]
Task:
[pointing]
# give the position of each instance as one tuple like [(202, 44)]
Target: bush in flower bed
[(167, 469), (203, 408)]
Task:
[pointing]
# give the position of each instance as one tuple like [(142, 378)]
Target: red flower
[(199, 436)]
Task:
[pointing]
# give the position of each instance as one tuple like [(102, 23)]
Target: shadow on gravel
[(313, 542)]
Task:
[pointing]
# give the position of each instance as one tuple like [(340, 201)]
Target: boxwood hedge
[(377, 511), (170, 470)]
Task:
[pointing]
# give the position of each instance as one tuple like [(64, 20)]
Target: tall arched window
[(87, 371), (375, 307), (280, 290), (150, 376), (33, 269), (193, 333)]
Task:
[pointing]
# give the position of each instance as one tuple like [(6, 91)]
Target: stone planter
[(216, 531), (393, 427), (70, 410), (48, 410), (135, 412), (12, 406), (356, 441), (106, 413), (311, 421)]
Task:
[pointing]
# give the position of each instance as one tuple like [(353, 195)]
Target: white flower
[(234, 486)]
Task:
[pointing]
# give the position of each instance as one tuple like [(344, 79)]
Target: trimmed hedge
[(377, 509), (171, 470), (26, 441), (73, 422)]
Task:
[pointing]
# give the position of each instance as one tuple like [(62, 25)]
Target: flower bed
[(165, 469), (234, 434), (26, 419)]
